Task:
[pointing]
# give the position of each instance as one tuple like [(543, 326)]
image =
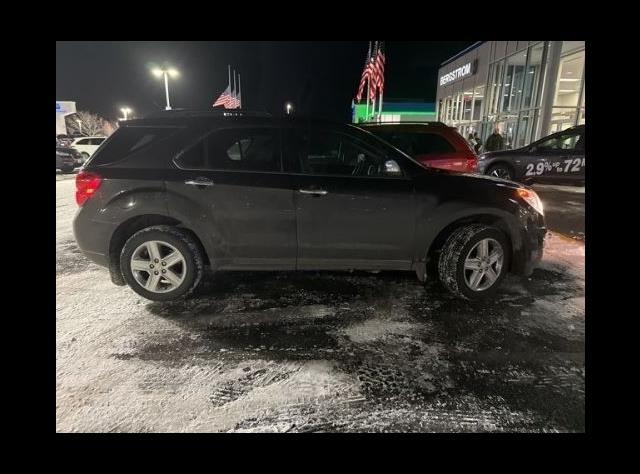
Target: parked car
[(172, 193), (556, 158), (432, 144), (87, 145), (66, 159)]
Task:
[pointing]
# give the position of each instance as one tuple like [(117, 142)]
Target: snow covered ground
[(313, 351)]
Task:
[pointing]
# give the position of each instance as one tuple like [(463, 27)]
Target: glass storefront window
[(496, 78), (526, 126), (562, 118), (467, 104), (581, 118), (532, 76), (478, 98), (569, 80), (513, 78)]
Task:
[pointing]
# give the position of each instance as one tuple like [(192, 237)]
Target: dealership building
[(528, 89)]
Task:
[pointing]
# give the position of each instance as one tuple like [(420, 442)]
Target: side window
[(244, 150), (97, 141), (431, 143), (565, 141), (234, 150), (84, 141), (193, 158), (330, 153), (580, 143)]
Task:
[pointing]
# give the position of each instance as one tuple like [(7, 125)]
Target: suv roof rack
[(207, 113)]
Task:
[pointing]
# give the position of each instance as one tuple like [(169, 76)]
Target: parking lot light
[(289, 107), (125, 112), (165, 72)]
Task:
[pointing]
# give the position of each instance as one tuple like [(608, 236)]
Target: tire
[(501, 170), (459, 247), (85, 156), (187, 271)]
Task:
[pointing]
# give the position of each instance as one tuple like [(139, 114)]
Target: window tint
[(96, 141), (564, 141), (84, 141), (236, 149), (329, 153), (417, 143), (430, 143), (127, 140)]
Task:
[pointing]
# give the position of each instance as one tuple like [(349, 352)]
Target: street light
[(289, 107), (125, 111), (166, 72)]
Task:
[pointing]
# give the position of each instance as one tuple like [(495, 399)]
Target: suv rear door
[(230, 183), (349, 214)]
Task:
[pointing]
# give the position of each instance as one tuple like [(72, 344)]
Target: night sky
[(319, 78)]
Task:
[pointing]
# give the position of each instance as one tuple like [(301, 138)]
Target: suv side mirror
[(392, 168)]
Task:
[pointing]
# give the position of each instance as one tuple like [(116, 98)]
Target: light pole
[(165, 72), (288, 107), (125, 111)]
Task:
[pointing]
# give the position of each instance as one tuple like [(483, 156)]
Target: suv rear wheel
[(161, 263), (474, 261)]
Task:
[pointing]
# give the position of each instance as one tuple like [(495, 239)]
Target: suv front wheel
[(473, 261), (161, 263)]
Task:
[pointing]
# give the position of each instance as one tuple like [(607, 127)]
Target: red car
[(432, 144)]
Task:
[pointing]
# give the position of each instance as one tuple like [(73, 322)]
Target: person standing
[(478, 140), (471, 141), (495, 142)]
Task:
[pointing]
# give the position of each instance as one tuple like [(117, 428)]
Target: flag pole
[(235, 95), (368, 95)]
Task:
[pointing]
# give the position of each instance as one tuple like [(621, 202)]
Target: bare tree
[(86, 123), (109, 127)]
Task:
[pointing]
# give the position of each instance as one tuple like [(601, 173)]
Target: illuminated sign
[(459, 73)]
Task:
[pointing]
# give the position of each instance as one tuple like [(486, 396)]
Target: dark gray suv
[(170, 194)]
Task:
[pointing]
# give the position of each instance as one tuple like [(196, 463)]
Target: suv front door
[(350, 212)]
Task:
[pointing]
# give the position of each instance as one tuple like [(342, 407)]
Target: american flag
[(226, 99), (373, 71), (379, 67)]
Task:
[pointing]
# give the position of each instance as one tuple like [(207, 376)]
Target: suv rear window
[(419, 143), (128, 140)]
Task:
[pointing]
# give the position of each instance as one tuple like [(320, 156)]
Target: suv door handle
[(315, 192), (199, 182)]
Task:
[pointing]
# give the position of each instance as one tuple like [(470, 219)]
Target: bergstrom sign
[(463, 71)]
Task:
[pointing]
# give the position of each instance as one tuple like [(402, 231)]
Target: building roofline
[(464, 51)]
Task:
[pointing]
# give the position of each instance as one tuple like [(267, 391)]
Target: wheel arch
[(503, 163), (134, 224), (435, 246)]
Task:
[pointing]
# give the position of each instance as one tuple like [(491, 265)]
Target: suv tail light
[(86, 185)]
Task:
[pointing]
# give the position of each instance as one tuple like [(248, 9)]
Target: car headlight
[(482, 156), (531, 198)]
